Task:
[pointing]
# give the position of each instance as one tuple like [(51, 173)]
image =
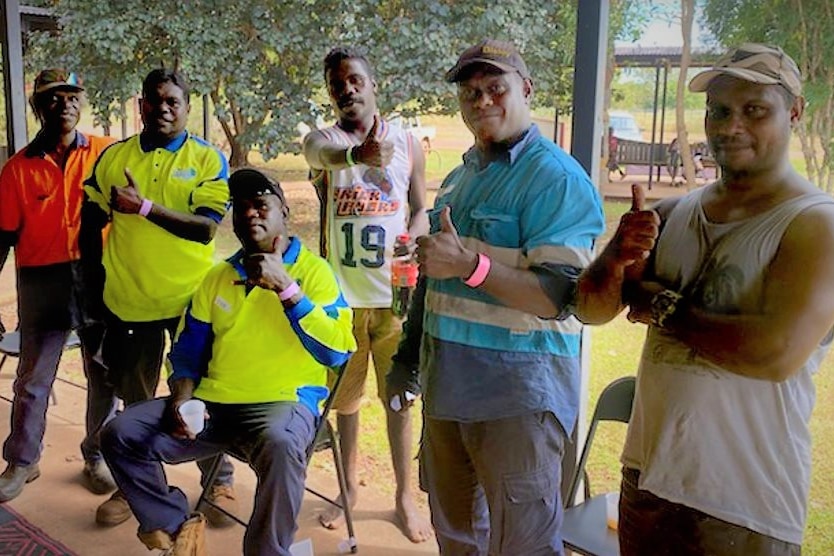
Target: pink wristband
[(145, 208), (480, 273), (291, 290)]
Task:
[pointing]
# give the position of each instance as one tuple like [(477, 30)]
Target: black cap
[(247, 183)]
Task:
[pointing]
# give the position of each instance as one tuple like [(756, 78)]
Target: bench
[(639, 153)]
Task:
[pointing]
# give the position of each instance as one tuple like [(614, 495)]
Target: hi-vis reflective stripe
[(573, 256), (498, 316)]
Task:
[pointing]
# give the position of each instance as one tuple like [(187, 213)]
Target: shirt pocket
[(495, 227)]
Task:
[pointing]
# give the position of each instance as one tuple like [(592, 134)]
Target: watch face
[(663, 305)]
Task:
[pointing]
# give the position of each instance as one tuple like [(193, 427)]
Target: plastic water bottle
[(404, 271)]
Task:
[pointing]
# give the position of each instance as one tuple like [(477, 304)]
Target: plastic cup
[(612, 511), (193, 412)]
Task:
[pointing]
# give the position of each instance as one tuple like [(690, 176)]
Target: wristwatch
[(664, 304)]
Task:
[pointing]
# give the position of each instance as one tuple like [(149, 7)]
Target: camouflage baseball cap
[(758, 63), (499, 54), (55, 78)]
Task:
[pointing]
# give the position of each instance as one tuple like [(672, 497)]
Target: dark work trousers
[(50, 306), (649, 524), (494, 486), (273, 437), (132, 352)]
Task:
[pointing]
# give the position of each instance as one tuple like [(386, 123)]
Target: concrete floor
[(60, 505)]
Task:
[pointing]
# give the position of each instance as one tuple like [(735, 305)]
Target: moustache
[(346, 100)]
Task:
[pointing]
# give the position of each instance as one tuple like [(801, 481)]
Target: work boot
[(223, 496), (113, 511), (14, 478), (189, 540), (97, 477)]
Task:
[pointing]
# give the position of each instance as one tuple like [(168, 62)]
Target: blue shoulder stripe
[(224, 163), (191, 352), (332, 310), (320, 352), (311, 397)]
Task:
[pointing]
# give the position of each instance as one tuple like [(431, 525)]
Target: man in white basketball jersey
[(370, 177)]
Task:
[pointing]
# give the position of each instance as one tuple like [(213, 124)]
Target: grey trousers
[(273, 437), (494, 486), (50, 305)]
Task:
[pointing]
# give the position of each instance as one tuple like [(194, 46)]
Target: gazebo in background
[(662, 59)]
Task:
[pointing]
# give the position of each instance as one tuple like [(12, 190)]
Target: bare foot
[(416, 527), (333, 517)]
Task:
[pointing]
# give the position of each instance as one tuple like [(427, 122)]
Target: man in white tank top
[(739, 299), (370, 178)]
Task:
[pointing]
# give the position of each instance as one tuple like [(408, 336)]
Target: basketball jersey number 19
[(371, 241)]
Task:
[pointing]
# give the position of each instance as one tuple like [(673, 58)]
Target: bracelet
[(479, 275), (290, 291), (349, 157), (664, 304), (145, 207)]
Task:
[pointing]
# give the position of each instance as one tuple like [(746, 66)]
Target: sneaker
[(97, 477), (224, 497), (14, 478), (114, 511), (189, 540)]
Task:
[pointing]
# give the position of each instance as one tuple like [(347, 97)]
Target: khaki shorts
[(377, 333)]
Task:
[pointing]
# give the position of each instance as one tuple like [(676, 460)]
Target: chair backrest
[(614, 404)]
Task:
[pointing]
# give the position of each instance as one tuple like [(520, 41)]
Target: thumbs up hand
[(373, 151), (442, 255), (635, 237), (126, 199)]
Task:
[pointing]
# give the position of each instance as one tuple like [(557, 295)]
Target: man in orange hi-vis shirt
[(41, 192)]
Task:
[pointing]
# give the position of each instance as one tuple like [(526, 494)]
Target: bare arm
[(193, 227), (797, 308), (321, 153), (418, 222), (90, 244), (599, 296)]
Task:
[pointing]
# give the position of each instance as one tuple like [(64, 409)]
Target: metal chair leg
[(335, 446)]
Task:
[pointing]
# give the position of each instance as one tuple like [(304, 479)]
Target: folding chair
[(10, 347), (585, 529), (325, 437)]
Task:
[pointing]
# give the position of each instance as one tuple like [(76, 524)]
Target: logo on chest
[(184, 173)]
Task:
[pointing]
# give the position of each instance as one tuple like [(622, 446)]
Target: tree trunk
[(606, 105), (240, 155), (687, 15)]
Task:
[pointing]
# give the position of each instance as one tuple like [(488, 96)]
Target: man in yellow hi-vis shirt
[(163, 192), (256, 342)]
